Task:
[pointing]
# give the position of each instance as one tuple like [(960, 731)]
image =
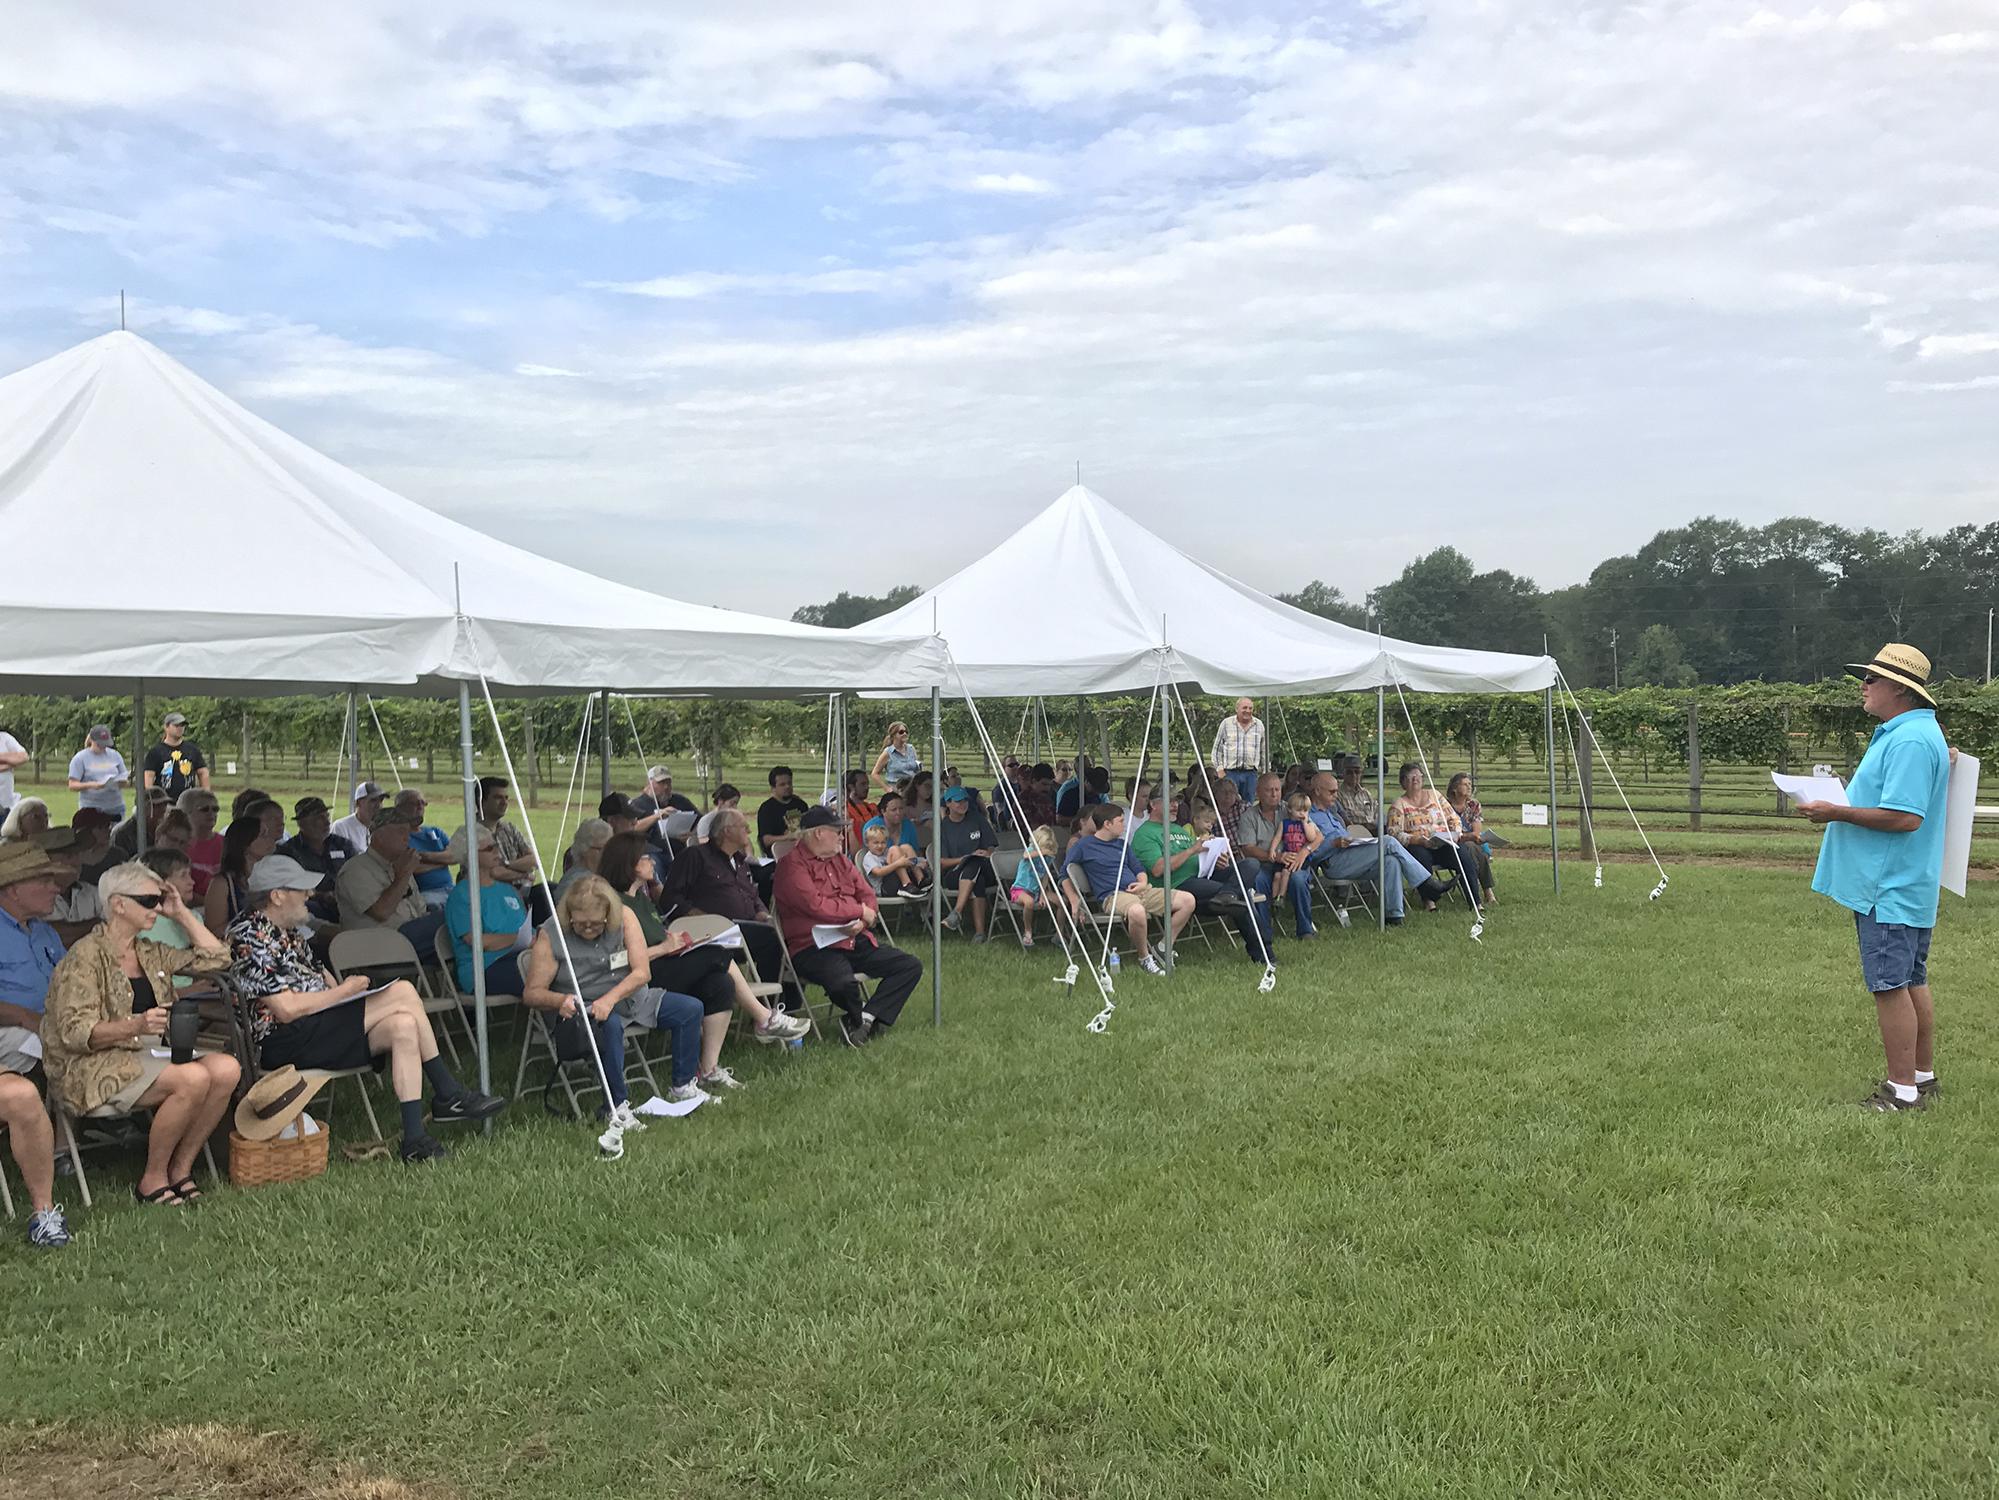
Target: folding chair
[(66, 1140), (252, 1069), (636, 1065), (704, 927), (384, 953), (792, 975), (455, 998), (1099, 920)]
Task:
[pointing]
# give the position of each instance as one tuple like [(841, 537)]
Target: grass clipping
[(206, 1462)]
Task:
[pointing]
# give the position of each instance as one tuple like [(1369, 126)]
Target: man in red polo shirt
[(817, 886)]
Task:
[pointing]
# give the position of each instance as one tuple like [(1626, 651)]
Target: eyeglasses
[(1868, 679), (150, 901)]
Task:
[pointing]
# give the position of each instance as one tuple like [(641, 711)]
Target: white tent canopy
[(1109, 597), (159, 532)]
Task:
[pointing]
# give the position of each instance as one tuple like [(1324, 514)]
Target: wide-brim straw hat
[(1903, 664), (274, 1101), (22, 859)]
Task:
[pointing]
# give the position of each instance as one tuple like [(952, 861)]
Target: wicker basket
[(266, 1163)]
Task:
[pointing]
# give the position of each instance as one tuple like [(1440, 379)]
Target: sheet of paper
[(729, 937), (1357, 839), (1211, 851), (677, 825), (1811, 788), (28, 1042), (1960, 807), (1533, 815), (656, 1106), (826, 934)]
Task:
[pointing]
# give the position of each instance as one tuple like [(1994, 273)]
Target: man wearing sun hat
[(29, 953), (1882, 859)]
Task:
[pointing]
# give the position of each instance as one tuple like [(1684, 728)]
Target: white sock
[(1922, 1077), (1903, 1091)]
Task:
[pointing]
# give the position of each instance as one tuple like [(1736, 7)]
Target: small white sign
[(229, 768), (1533, 815), (413, 764), (1325, 764)]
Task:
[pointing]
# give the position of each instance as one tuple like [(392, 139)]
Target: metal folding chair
[(384, 953)]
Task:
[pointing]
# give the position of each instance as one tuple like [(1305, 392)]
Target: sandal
[(188, 1191), (164, 1197), (361, 1151)]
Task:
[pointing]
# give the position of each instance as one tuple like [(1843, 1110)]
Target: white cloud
[(1010, 182), (1957, 345)]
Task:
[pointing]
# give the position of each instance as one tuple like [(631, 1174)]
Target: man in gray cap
[(651, 808), (377, 887), (176, 762), (98, 773), (359, 826)]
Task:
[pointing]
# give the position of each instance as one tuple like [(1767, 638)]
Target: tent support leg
[(142, 803), (1381, 809), (476, 938), (1554, 838), (936, 876), (604, 741), (1166, 825)]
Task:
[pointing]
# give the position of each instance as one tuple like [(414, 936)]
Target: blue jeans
[(1244, 783), (611, 1048), (422, 932), (1358, 864), (1256, 875), (680, 1018)]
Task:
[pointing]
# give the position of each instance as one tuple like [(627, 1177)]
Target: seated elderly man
[(319, 849), (301, 1016), (359, 825), (1256, 826), (1214, 894), (1354, 802), (718, 878), (1341, 857), (818, 886), (1105, 870), (109, 1003), (29, 954), (77, 909), (377, 887), (433, 849)]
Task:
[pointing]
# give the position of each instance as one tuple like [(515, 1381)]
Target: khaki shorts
[(127, 1099), (1152, 899)]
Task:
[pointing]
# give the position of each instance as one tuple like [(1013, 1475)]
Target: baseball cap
[(366, 789), (958, 794), (616, 805), (280, 872), (175, 718), (658, 773), (91, 817), (819, 817), (100, 734), (305, 807), (390, 815)]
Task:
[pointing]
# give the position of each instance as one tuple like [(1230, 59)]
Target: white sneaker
[(779, 1027), (687, 1093), (719, 1078), (1151, 965), (48, 1229), (627, 1118)]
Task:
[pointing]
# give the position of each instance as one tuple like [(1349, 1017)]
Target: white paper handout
[(826, 934), (677, 824), (729, 937), (1960, 807), (1812, 788), (658, 1106), (1211, 851)]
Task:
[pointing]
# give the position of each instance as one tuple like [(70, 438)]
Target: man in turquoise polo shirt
[(1882, 859)]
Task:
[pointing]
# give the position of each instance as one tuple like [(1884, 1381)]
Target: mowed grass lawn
[(1584, 1210)]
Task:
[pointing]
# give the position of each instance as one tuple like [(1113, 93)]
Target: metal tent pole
[(142, 802), (1381, 809), (1166, 825), (604, 743), (476, 938), (936, 876), (1554, 838)]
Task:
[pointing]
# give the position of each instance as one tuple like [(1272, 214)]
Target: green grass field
[(1584, 1210)]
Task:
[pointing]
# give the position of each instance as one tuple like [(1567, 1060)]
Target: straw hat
[(1903, 664), (274, 1101), (21, 859)]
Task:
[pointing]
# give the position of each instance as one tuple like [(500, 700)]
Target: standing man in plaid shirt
[(1241, 749)]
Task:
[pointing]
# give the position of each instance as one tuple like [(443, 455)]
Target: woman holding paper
[(708, 971), (301, 1015)]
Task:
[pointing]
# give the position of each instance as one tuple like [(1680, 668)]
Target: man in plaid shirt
[(1241, 749)]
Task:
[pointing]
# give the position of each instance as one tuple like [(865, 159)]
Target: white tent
[(159, 532), (1109, 596)]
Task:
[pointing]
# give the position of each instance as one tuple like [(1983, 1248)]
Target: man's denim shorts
[(1892, 956)]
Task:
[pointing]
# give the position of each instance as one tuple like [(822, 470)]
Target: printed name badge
[(620, 961)]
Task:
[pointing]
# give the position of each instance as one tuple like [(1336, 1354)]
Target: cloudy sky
[(753, 303)]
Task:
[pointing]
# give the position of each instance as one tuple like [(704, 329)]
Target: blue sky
[(753, 304)]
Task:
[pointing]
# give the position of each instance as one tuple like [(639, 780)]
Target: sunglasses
[(151, 901), (1868, 679)]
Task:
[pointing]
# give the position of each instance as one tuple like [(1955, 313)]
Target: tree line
[(1714, 601)]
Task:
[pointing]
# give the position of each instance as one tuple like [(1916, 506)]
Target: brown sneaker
[(1884, 1101), (1928, 1088)]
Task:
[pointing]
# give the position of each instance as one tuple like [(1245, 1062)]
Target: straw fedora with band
[(274, 1101), (21, 859), (1900, 664)]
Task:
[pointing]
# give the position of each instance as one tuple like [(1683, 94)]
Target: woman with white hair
[(586, 848), (109, 1000), (26, 819)]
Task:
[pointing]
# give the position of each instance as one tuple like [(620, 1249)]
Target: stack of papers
[(729, 937), (826, 934), (657, 1106), (1812, 788)]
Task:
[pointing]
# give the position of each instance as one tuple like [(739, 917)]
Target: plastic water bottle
[(1117, 962)]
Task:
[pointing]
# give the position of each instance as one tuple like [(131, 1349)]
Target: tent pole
[(476, 938), (1554, 838), (142, 803), (1381, 809), (1034, 731), (604, 743), (1166, 823), (936, 876)]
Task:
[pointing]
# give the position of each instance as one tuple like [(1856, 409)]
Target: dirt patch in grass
[(207, 1462)]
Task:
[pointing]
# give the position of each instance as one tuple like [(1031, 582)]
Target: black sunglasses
[(1868, 679), (151, 900)]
